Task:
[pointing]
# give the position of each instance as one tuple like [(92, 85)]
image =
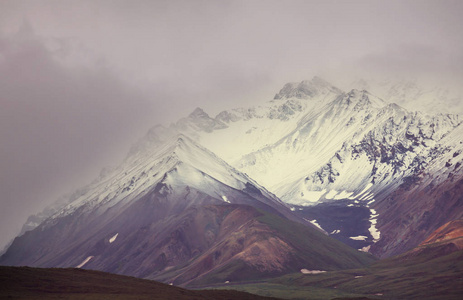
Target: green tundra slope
[(46, 283)]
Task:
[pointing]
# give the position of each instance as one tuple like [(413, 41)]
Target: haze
[(80, 81)]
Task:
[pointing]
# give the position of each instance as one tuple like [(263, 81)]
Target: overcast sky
[(80, 81)]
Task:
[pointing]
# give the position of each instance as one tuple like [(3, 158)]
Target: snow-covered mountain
[(176, 212), (168, 164), (315, 144), (368, 172), (237, 132)]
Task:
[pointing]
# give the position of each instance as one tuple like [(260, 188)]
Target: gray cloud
[(56, 123), (414, 60), (96, 74)]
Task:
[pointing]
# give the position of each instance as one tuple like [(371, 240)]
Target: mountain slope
[(314, 145), (262, 246), (252, 128), (176, 212), (174, 176), (307, 148), (424, 201), (445, 240), (433, 270), (449, 232)]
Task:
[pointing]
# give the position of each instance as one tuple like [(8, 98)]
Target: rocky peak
[(199, 113), (306, 89), (199, 120), (362, 100)]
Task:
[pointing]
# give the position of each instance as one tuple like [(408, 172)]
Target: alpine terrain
[(316, 179)]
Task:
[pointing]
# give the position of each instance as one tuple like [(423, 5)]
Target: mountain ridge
[(369, 173)]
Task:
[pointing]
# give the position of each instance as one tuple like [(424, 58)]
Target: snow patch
[(225, 199), (314, 222), (375, 233), (365, 249), (305, 271), (336, 231), (84, 262), (113, 238), (359, 238)]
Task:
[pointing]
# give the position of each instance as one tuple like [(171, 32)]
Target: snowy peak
[(320, 82), (306, 89), (182, 143), (413, 95), (199, 120), (361, 100), (171, 166), (194, 159), (199, 113), (188, 151), (200, 168), (155, 136), (393, 108), (182, 155)]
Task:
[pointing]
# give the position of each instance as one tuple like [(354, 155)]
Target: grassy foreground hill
[(54, 283), (403, 277)]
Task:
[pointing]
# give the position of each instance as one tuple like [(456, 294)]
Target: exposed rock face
[(423, 202), (409, 216), (449, 232), (444, 241)]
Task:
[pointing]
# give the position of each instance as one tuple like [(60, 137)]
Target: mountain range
[(316, 179)]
